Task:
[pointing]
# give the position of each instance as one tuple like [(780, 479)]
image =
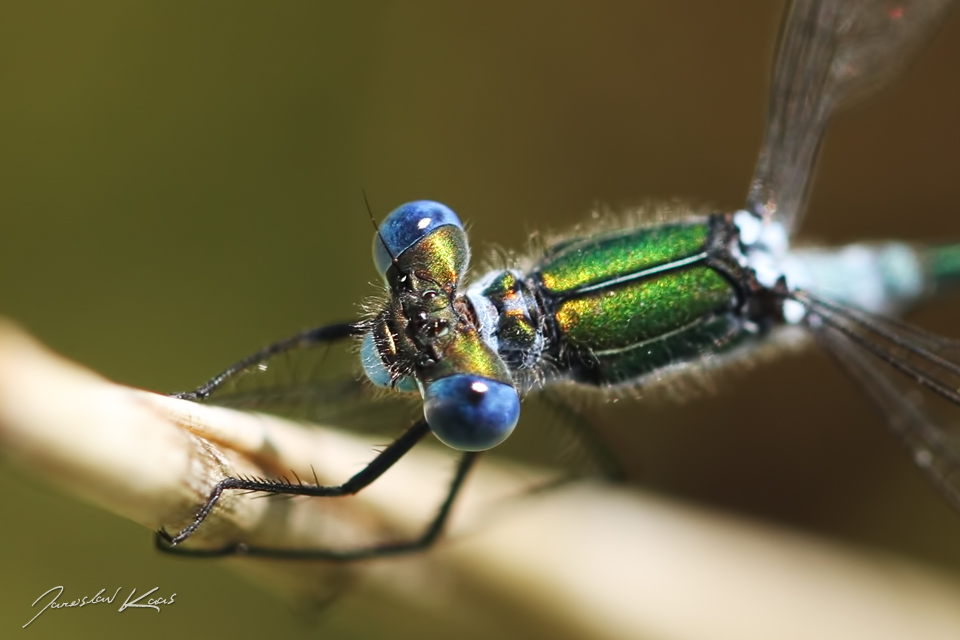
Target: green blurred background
[(180, 183)]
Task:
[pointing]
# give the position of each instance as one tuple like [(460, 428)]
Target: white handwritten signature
[(152, 603)]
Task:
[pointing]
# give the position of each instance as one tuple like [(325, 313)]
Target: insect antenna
[(376, 228)]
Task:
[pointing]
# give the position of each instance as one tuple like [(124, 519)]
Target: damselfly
[(632, 304)]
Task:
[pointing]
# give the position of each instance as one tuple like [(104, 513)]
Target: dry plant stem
[(607, 562)]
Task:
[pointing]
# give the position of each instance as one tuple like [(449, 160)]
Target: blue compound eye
[(405, 226), (372, 364), (470, 413), (376, 372)]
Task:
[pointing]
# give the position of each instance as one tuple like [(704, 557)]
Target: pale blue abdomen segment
[(884, 278)]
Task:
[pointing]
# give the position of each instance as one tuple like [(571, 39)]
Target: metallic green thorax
[(603, 310), (623, 305)]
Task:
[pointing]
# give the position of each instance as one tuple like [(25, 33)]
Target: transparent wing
[(831, 54), (315, 378), (560, 433), (911, 376), (312, 377)]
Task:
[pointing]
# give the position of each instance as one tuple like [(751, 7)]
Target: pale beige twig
[(600, 561)]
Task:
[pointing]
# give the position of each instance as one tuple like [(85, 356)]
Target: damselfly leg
[(376, 468)]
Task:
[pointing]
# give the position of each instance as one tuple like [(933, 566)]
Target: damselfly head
[(426, 337)]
